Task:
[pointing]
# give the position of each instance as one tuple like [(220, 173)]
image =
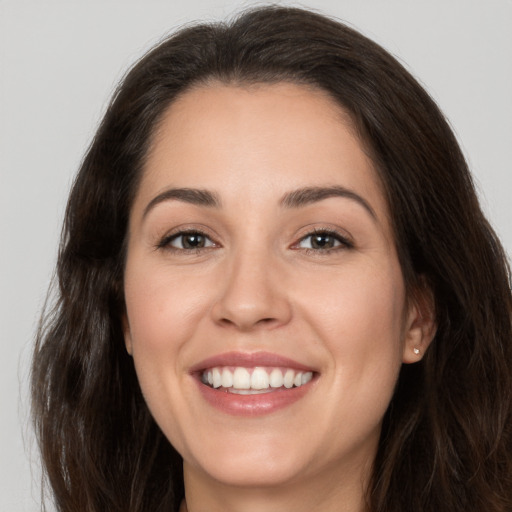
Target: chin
[(250, 461), (251, 471)]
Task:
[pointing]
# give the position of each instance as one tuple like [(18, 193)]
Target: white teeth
[(217, 378), (248, 391), (252, 380), (241, 379), (306, 377), (227, 378), (276, 378), (259, 379), (288, 379)]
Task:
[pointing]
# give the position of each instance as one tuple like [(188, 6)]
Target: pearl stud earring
[(416, 350)]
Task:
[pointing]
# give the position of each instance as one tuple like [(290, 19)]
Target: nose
[(253, 293)]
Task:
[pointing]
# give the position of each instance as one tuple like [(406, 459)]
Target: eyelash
[(166, 241), (344, 242)]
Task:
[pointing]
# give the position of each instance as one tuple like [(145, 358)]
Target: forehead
[(256, 140)]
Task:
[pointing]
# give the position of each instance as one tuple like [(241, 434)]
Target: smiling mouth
[(252, 381)]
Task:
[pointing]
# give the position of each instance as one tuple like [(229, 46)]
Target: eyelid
[(164, 241), (345, 240), (207, 240)]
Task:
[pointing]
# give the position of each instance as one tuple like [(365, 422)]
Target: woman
[(277, 290)]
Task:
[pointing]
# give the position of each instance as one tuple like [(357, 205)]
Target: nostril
[(247, 325), (268, 320)]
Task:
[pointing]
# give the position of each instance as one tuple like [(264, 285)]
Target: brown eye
[(189, 241), (323, 240)]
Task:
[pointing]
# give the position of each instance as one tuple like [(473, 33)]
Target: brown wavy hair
[(446, 442)]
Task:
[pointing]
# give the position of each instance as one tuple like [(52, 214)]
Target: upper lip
[(249, 360)]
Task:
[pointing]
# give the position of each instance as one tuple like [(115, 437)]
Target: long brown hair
[(446, 443)]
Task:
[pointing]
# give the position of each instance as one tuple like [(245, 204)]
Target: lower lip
[(253, 405)]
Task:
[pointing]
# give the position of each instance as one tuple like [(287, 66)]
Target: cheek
[(356, 314), (162, 312), (162, 307), (359, 316)]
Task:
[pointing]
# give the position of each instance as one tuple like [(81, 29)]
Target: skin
[(259, 285)]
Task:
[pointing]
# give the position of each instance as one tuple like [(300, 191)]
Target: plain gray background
[(59, 62)]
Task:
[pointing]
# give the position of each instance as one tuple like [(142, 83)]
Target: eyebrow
[(199, 197), (309, 195), (294, 199)]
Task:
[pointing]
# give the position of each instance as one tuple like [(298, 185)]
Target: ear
[(420, 325), (127, 334)]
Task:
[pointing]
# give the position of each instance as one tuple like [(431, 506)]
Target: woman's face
[(261, 258)]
